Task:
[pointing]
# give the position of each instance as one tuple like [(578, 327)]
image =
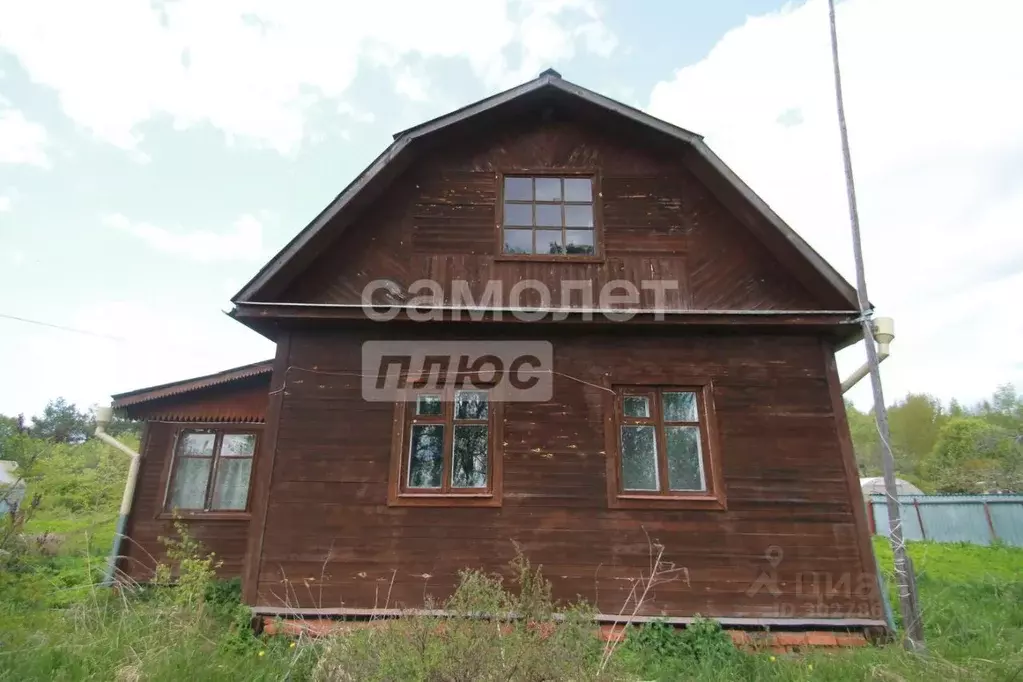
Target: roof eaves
[(173, 388)]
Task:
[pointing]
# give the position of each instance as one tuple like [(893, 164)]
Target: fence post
[(990, 523), (919, 518)]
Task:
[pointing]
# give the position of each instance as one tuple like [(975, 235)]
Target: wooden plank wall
[(244, 400), (331, 541), (142, 548), (439, 221)]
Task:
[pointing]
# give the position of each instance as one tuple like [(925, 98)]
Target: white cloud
[(254, 68), (5, 203), (21, 141), (934, 106), (243, 242), (357, 115), (412, 85)]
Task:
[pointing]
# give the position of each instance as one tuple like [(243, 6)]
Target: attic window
[(549, 215)]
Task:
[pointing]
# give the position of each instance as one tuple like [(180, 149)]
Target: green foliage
[(864, 438), (191, 570), (77, 478), (915, 422), (973, 455), (62, 422), (491, 633), (972, 598), (958, 449), (660, 650), (15, 545), (10, 429)]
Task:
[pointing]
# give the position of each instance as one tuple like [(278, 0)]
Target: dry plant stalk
[(660, 573)]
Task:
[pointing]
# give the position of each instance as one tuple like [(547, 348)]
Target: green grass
[(54, 625)]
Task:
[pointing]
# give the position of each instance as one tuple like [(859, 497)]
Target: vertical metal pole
[(920, 518), (913, 626)]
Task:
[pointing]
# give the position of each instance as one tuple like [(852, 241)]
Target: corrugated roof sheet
[(178, 387)]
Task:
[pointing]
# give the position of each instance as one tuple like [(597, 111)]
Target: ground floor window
[(445, 450), (664, 449), (210, 470)]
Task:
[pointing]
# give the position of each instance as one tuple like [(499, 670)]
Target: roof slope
[(143, 395), (299, 251)]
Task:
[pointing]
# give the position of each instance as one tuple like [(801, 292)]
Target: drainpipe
[(884, 333), (103, 416)]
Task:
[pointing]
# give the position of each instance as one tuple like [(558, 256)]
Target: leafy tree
[(62, 422), (915, 422), (81, 477), (972, 455), (865, 440), (10, 430), (1005, 409)]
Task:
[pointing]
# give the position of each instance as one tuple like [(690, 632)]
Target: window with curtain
[(211, 470)]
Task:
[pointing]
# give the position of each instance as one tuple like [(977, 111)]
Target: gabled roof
[(143, 395), (549, 84)]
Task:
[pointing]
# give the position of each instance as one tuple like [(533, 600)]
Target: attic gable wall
[(438, 221)]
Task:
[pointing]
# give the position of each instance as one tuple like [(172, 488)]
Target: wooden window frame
[(170, 471), (598, 223), (398, 492), (713, 498)]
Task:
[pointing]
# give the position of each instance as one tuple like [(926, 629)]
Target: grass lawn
[(54, 625)]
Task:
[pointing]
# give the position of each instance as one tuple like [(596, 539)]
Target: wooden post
[(911, 621), (919, 518), (990, 523)]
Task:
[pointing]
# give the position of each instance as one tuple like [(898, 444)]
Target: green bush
[(662, 651), (491, 633)]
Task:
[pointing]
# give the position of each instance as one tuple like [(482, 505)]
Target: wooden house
[(705, 417)]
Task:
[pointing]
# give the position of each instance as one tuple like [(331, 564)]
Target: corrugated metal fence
[(977, 519)]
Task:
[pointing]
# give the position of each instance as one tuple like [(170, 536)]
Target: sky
[(153, 155)]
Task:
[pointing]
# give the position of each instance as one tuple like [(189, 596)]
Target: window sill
[(639, 501), (548, 258), (444, 500), (205, 516)]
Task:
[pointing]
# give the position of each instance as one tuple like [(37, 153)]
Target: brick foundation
[(749, 640)]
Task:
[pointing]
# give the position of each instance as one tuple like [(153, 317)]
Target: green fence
[(977, 519)]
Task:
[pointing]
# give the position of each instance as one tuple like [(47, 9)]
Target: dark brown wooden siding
[(142, 548), (439, 221), (331, 541), (227, 405)]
